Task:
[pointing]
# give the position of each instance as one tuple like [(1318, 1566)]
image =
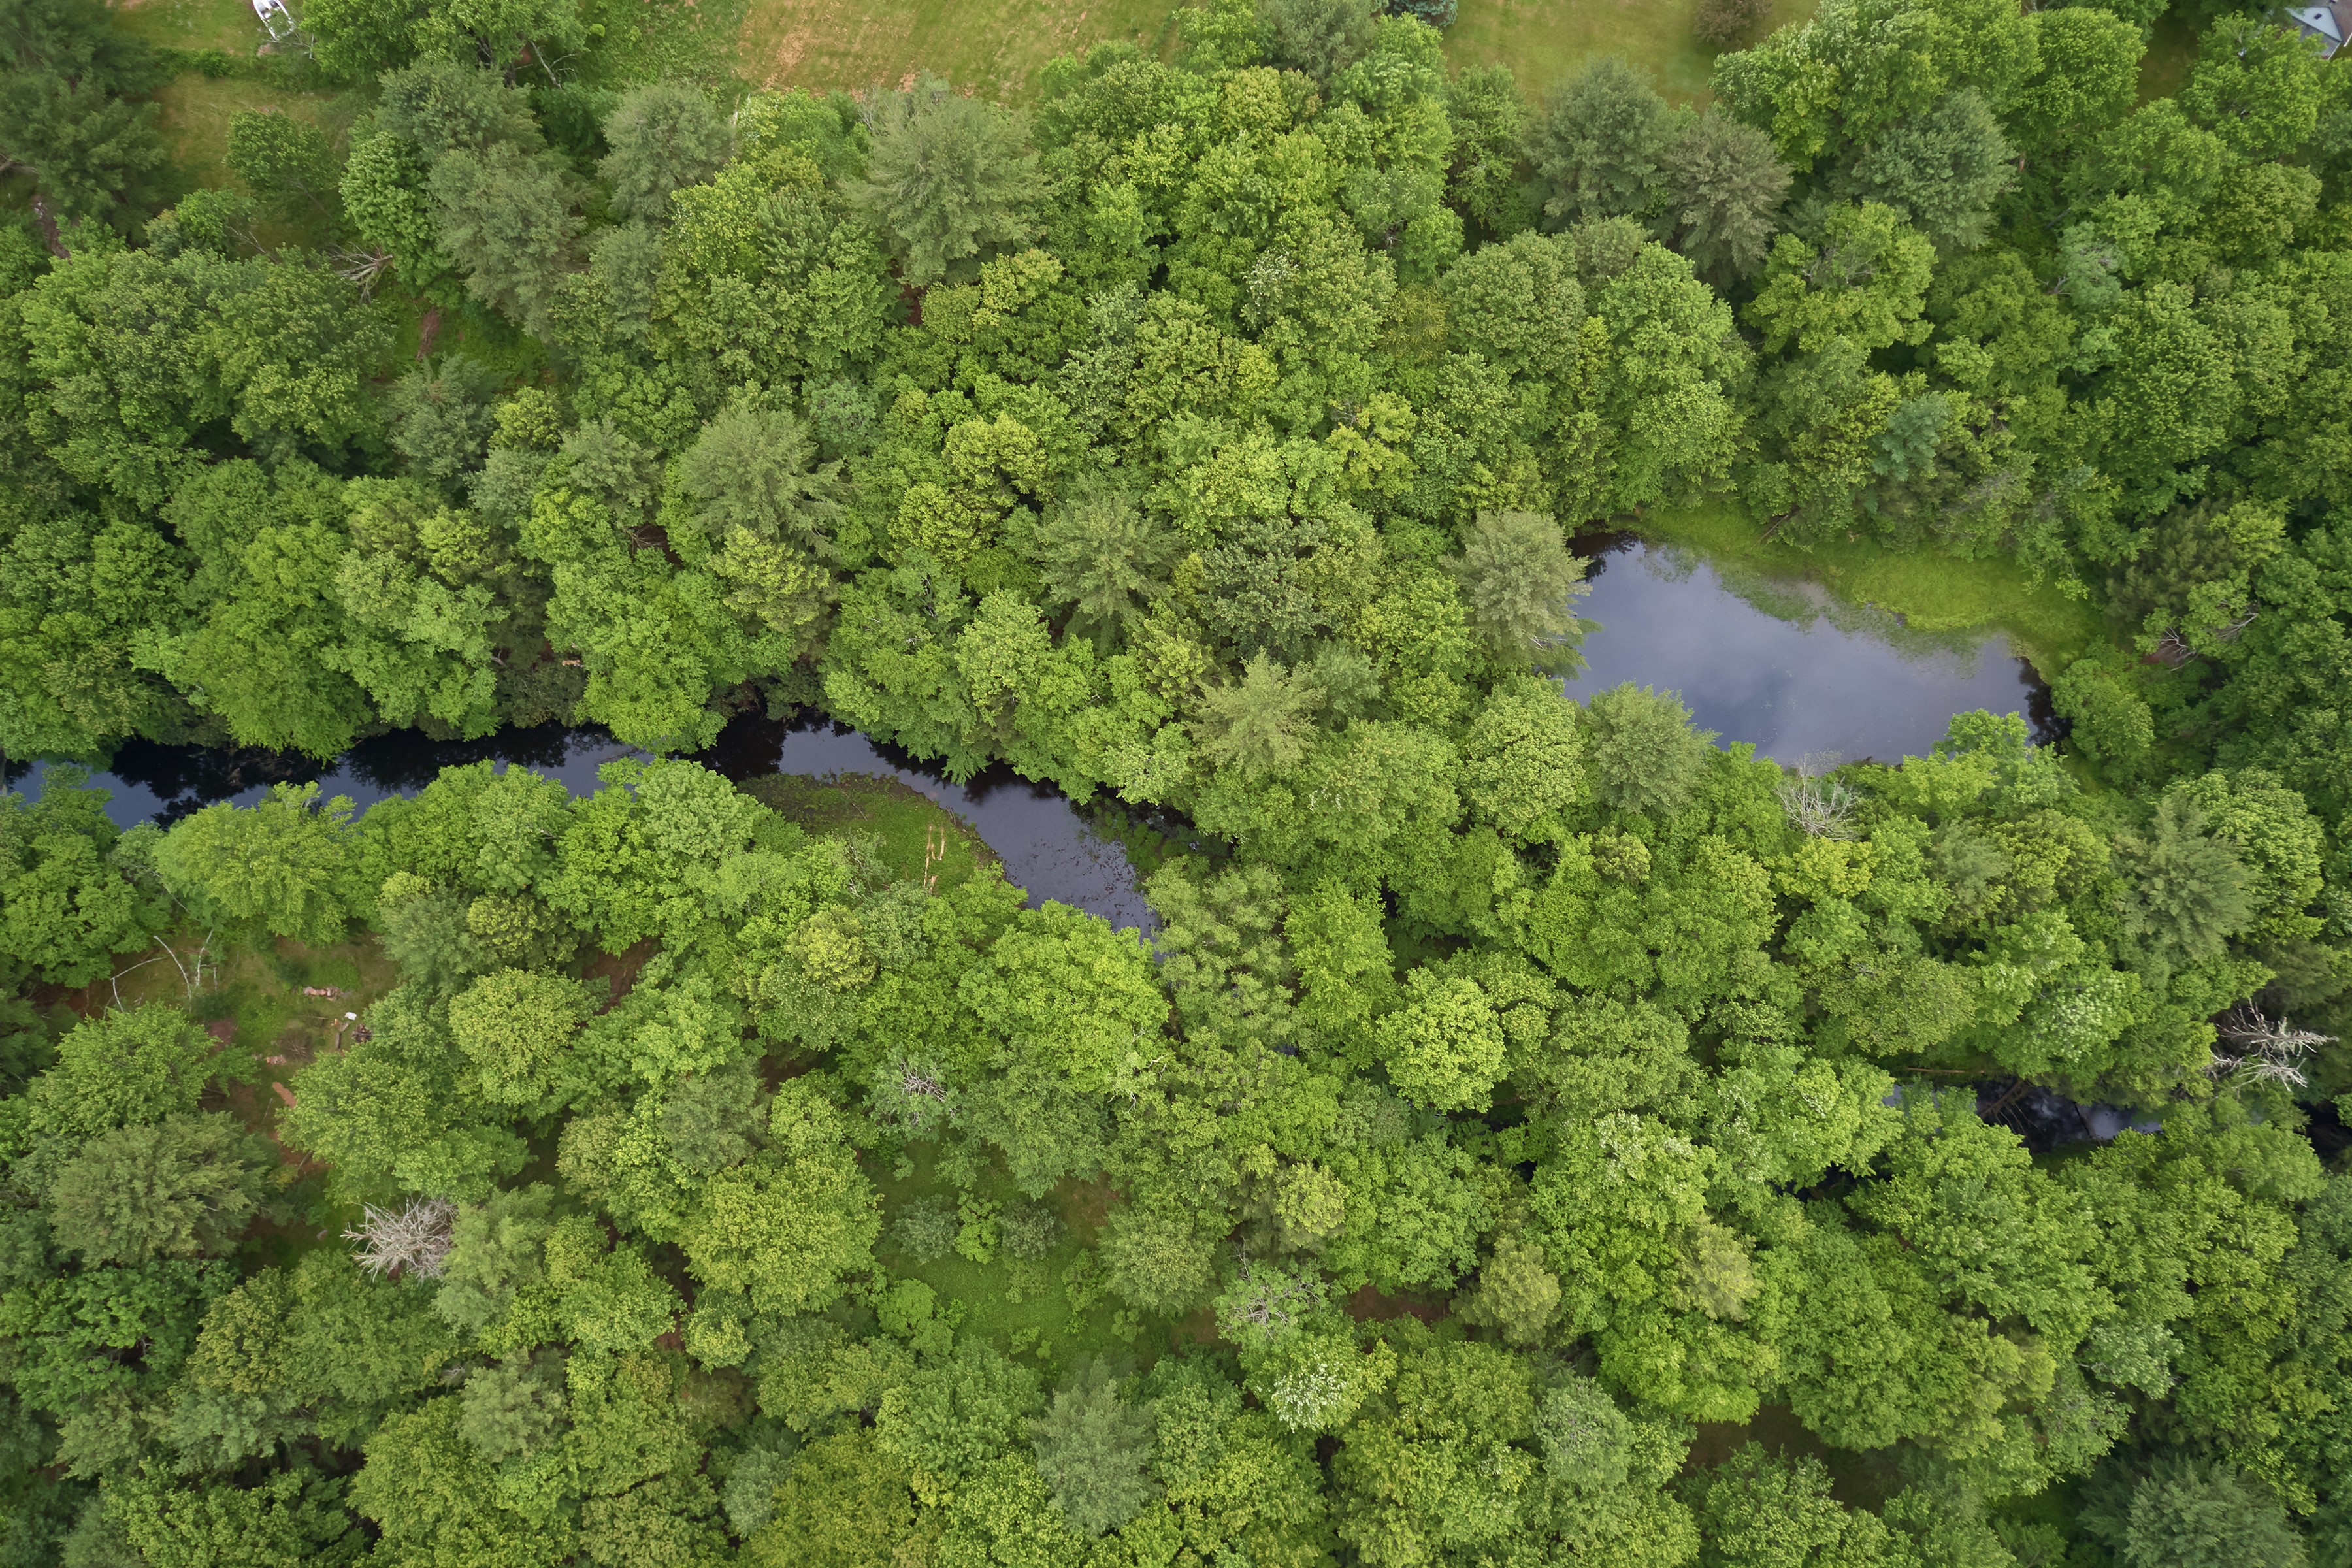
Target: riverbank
[(1929, 592)]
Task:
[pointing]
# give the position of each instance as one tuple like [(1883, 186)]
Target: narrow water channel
[(1778, 664), (1047, 846)]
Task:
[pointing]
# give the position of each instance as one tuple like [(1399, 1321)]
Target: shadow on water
[(1783, 664), (1047, 846)]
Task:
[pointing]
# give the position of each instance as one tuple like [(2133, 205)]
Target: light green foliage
[(1865, 282), (1444, 1047), (1519, 585), (845, 1505), (279, 867), (956, 1412), (783, 1228), (291, 1519), (516, 1027), (1259, 724), (1517, 1296), (1067, 994), (1758, 1512), (123, 1068), (1642, 752), (1531, 1093), (1159, 1260)]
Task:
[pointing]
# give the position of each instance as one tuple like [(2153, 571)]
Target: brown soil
[(1369, 1306), (621, 968)]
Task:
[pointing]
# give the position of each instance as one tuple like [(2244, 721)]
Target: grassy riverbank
[(1932, 593)]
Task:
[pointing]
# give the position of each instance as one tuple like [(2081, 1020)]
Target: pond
[(1784, 665), (1778, 664)]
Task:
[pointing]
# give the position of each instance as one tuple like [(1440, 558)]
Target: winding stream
[(1777, 663), (1047, 846)]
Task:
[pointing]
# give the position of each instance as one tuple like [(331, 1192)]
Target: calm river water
[(1781, 665)]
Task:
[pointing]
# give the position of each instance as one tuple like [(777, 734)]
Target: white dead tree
[(2251, 1044), (1815, 802), (411, 1240)]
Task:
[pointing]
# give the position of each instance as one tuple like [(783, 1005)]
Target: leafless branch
[(1816, 802), (411, 1240)]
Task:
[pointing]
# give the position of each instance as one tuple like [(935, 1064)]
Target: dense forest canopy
[(1538, 1136)]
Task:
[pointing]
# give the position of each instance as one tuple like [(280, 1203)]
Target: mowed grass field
[(999, 45), (995, 46), (1544, 40)]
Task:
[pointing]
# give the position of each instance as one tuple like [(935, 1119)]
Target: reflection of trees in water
[(1805, 605), (184, 779), (404, 760)]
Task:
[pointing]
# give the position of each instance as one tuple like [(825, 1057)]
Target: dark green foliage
[(927, 1228), (1598, 145), (2177, 1511), (1724, 189), (663, 136), (440, 419), (949, 181), (1942, 169), (65, 114), (1094, 1451), (175, 1188), (2188, 890), (1105, 558), (1321, 37)]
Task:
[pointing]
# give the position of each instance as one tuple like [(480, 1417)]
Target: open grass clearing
[(228, 26), (197, 110), (1544, 40), (994, 46)]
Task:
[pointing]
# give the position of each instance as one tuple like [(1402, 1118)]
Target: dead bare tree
[(1815, 802), (2254, 1047), (414, 1239)]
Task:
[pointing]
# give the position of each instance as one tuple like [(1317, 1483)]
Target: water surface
[(1778, 664), (1048, 849), (1783, 664)]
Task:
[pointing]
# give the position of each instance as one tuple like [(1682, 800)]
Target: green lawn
[(916, 836), (996, 46), (196, 110), (1543, 40), (1934, 594), (226, 25)]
